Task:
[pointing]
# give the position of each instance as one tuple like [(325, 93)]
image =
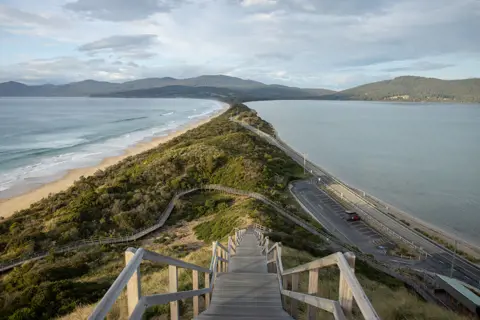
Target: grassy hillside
[(411, 88), (77, 280), (130, 195), (389, 297)]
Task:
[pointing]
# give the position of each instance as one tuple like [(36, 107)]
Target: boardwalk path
[(247, 291)]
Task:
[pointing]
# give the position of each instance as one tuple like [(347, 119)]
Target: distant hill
[(409, 88), (406, 88), (242, 94), (206, 86)]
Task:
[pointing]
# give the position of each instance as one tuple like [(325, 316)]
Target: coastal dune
[(11, 205)]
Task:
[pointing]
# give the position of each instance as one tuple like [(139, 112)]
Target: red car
[(354, 217)]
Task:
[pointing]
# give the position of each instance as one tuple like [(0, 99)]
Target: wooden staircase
[(245, 280), (246, 291)]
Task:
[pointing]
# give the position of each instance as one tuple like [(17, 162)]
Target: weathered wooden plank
[(155, 257), (316, 264), (219, 256), (173, 297), (361, 298), (345, 294), (222, 259), (338, 311), (207, 285), (222, 246), (104, 306), (317, 302), (172, 288), (284, 287), (133, 285), (293, 302), (195, 287), (280, 263), (225, 261), (313, 290)]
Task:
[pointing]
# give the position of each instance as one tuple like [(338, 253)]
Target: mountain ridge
[(90, 87), (222, 87)]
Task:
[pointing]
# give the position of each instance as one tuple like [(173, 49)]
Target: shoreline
[(9, 206), (414, 222), (465, 245)]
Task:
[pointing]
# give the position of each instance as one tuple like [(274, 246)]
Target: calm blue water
[(421, 158), (42, 138)]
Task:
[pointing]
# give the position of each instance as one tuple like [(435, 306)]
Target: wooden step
[(247, 291)]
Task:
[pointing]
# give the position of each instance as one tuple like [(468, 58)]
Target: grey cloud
[(121, 10), (10, 16), (120, 42), (274, 56), (337, 7), (138, 54), (67, 69), (128, 46), (420, 66)]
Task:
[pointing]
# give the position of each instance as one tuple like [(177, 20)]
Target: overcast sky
[(310, 43)]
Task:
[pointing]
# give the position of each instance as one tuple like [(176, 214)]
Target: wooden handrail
[(349, 286), (155, 257), (101, 310), (130, 278), (222, 246), (316, 264)]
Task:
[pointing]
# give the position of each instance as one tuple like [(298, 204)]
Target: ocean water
[(42, 138), (422, 158)]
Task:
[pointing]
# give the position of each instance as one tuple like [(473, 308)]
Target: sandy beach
[(10, 205)]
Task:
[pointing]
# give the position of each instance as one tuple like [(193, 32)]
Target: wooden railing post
[(275, 268), (133, 286), (294, 302), (173, 287), (224, 264), (207, 285), (219, 263), (345, 294), (213, 254), (195, 287), (313, 290)]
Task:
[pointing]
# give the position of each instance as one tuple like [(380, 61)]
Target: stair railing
[(349, 287), (130, 278)]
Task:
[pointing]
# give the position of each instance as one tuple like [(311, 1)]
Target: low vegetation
[(130, 195), (389, 297), (252, 119), (411, 88), (448, 246), (126, 197)]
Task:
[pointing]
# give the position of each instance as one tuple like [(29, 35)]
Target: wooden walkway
[(247, 291)]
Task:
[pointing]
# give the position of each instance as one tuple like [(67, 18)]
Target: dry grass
[(390, 304), (80, 313), (176, 241)]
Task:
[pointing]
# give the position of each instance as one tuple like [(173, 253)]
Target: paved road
[(331, 215), (333, 218), (439, 258)]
